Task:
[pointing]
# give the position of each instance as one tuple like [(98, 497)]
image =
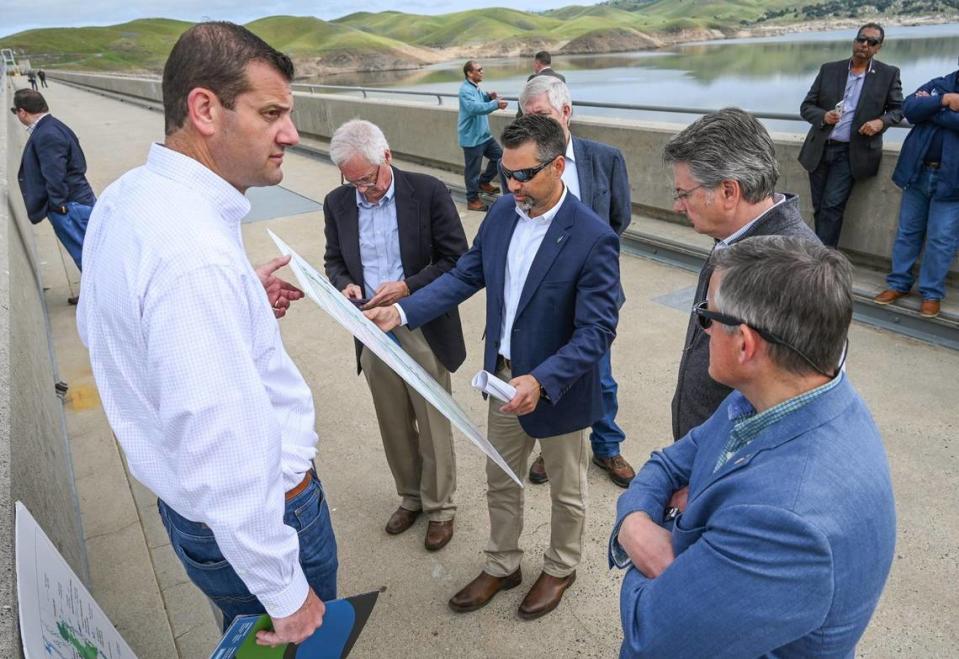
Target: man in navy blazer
[(53, 173), (784, 541), (550, 268), (596, 175)]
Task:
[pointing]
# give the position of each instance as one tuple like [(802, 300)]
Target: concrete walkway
[(911, 388)]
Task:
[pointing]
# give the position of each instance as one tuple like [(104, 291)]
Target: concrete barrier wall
[(40, 467), (428, 133)]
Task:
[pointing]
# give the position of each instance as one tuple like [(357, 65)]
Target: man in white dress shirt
[(211, 413)]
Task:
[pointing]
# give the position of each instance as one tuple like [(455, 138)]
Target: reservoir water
[(767, 74)]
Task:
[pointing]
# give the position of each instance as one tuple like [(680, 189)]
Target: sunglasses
[(13, 110), (707, 317), (868, 40), (524, 175)]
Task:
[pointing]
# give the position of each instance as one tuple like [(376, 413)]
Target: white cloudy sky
[(17, 15)]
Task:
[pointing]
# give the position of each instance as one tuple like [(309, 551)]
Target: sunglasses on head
[(868, 40), (523, 175), (705, 317)]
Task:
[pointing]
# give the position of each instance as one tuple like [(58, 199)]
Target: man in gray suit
[(596, 174), (724, 172), (850, 105)]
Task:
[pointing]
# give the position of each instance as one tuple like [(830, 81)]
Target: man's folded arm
[(757, 578), (218, 421)]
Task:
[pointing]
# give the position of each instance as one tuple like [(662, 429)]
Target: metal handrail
[(781, 116)]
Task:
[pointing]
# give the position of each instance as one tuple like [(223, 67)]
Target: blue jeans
[(606, 436), (196, 548), (923, 219), (830, 185), (473, 155), (71, 228)]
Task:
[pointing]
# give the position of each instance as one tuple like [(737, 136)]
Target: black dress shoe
[(73, 301)]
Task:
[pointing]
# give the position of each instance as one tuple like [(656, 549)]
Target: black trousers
[(830, 185)]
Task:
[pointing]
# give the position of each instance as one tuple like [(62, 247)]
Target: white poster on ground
[(320, 290), (58, 616)]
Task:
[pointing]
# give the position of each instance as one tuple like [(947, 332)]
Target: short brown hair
[(30, 100), (214, 56)]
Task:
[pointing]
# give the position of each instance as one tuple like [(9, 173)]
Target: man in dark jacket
[(928, 173), (725, 173), (53, 174), (850, 104), (388, 234)]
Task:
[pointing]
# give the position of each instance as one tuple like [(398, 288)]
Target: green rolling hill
[(392, 39)]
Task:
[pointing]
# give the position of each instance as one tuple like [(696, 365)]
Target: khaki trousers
[(417, 439), (566, 463)]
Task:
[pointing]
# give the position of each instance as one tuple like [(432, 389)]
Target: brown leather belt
[(305, 483)]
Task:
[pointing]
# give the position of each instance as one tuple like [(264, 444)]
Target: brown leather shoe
[(476, 205), (438, 534), (929, 308), (620, 471), (401, 520), (537, 471), (545, 595), (489, 188), (481, 590), (889, 296)]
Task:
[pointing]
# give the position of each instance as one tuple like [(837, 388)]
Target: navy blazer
[(567, 313), (783, 551), (53, 170)]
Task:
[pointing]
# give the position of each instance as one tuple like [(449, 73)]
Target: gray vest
[(698, 395)]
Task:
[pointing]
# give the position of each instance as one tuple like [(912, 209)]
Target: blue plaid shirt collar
[(747, 424)]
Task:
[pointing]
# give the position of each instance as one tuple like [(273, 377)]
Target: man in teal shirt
[(475, 138)]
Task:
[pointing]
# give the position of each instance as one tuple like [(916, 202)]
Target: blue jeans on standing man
[(71, 228), (196, 548), (473, 156), (924, 219), (830, 185), (606, 436)]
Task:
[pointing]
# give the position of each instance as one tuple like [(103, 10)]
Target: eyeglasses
[(706, 318), (524, 175), (868, 40), (683, 195), (365, 182)]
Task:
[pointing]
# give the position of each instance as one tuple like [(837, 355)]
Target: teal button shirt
[(473, 124)]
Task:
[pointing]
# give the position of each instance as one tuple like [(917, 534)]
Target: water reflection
[(771, 74)]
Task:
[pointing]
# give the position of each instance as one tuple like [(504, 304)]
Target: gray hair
[(557, 93), (729, 145), (794, 288), (358, 137)]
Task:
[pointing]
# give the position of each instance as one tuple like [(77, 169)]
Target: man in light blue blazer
[(596, 175), (550, 268), (768, 530)]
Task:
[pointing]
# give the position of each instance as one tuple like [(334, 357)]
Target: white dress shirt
[(379, 240), (523, 246), (571, 174), (211, 413)]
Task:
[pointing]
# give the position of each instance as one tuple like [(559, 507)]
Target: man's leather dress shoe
[(481, 590), (438, 534), (545, 595), (401, 520)]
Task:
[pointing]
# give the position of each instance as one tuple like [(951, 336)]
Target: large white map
[(320, 290), (58, 616)]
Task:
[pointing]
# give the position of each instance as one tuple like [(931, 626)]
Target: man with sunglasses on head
[(725, 173), (850, 105), (472, 127), (389, 233), (550, 267), (595, 174), (785, 542)]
